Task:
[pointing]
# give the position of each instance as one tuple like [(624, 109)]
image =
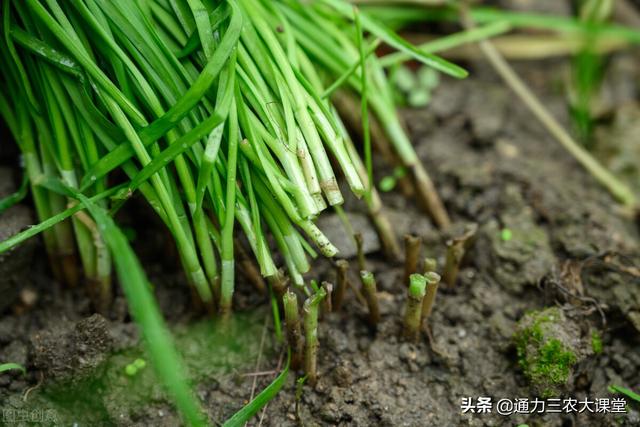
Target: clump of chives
[(371, 295), (235, 109), (413, 308), (294, 334), (412, 245), (310, 310)]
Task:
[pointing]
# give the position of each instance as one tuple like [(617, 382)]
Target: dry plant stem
[(413, 309), (327, 306), (429, 265), (412, 244), (370, 292), (617, 188), (433, 279), (362, 261), (456, 249), (342, 268), (529, 47), (428, 195), (455, 253), (294, 332), (310, 310)]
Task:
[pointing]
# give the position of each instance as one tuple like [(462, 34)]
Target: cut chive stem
[(371, 295), (429, 265), (362, 261), (412, 246), (294, 333), (456, 249), (433, 279), (342, 283), (310, 310), (413, 308)]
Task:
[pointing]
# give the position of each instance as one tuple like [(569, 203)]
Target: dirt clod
[(70, 351)]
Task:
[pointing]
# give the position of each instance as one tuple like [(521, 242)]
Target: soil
[(570, 247)]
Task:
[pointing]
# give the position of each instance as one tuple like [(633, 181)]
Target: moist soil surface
[(568, 245)]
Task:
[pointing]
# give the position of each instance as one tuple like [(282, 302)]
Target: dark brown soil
[(570, 247)]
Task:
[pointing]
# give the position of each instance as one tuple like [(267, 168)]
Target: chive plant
[(217, 113)]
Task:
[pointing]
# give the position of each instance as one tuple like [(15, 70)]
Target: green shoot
[(294, 334), (241, 417), (413, 308), (371, 295), (310, 310)]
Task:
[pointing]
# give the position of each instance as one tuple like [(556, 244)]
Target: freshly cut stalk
[(342, 269), (371, 295), (412, 245), (433, 279), (294, 333), (310, 310), (413, 308)]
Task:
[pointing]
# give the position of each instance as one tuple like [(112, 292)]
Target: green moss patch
[(543, 356)]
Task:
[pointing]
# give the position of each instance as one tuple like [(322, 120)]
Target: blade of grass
[(252, 408), (492, 29), (13, 366), (395, 41), (622, 390), (364, 107)]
